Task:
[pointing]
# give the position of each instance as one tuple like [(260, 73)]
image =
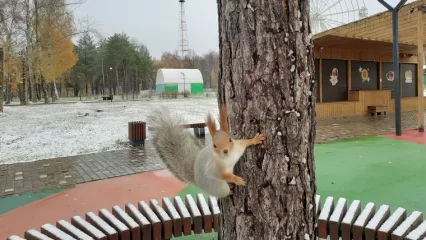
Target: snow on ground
[(29, 133)]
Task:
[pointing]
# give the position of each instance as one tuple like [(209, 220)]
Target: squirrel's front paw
[(258, 138), (239, 181)]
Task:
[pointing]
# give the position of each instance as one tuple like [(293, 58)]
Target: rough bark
[(266, 79), (1, 79)]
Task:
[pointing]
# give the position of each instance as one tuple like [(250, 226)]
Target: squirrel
[(210, 167)]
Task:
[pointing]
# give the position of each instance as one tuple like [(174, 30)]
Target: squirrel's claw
[(258, 138), (240, 181)]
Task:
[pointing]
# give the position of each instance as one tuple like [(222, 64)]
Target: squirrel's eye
[(230, 140), (214, 146)]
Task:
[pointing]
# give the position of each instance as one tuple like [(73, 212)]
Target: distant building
[(179, 80)]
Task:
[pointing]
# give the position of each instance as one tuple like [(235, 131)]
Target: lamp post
[(184, 83), (396, 62)]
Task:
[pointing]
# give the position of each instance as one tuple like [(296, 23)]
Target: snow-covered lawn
[(29, 133)]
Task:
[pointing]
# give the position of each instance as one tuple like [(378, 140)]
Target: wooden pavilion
[(354, 65)]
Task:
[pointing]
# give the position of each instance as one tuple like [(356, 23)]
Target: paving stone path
[(51, 173)]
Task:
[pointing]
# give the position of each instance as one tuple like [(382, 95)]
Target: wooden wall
[(356, 108), (360, 100)]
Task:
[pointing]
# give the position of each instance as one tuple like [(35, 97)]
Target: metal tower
[(183, 36)]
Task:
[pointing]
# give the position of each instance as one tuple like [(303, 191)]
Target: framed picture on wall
[(364, 75), (334, 80), (388, 77), (408, 73)]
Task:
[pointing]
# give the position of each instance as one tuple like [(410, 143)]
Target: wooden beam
[(420, 60)]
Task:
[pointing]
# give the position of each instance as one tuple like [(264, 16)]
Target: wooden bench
[(199, 128), (376, 110), (110, 97), (345, 221), (137, 133), (145, 221)]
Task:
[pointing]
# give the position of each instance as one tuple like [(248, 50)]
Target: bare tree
[(266, 80)]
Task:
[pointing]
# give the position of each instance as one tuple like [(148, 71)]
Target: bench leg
[(196, 132), (202, 132)]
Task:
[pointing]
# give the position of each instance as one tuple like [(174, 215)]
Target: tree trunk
[(25, 81), (116, 78), (44, 89), (33, 90), (55, 91), (28, 67), (266, 80), (38, 91), (8, 90), (123, 86), (22, 88), (103, 77), (1, 79), (21, 93)]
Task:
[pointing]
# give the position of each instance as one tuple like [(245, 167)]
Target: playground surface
[(381, 169)]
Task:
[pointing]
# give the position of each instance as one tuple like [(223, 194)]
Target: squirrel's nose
[(225, 151)]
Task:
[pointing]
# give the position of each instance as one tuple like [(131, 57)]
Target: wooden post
[(380, 75), (320, 77), (1, 79), (420, 59)]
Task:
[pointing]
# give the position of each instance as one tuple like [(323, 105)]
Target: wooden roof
[(375, 32)]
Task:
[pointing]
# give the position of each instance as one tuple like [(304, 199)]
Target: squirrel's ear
[(211, 125), (223, 113)]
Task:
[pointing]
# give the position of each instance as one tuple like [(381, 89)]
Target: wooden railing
[(151, 220), (372, 222), (145, 222)]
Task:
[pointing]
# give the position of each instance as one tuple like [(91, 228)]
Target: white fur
[(206, 170)]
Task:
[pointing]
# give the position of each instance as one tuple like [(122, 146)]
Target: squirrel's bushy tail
[(176, 147)]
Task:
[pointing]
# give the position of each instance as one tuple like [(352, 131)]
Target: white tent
[(179, 80)]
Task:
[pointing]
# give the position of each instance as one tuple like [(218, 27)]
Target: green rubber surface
[(11, 202), (193, 191), (373, 169)]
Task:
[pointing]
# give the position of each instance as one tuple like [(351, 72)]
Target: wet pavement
[(51, 173)]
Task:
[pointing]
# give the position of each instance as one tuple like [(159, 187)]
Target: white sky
[(155, 22)]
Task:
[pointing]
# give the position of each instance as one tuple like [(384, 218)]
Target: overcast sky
[(155, 22)]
